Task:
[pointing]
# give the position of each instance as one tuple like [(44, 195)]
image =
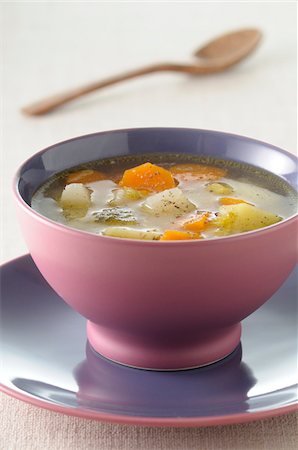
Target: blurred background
[(49, 47)]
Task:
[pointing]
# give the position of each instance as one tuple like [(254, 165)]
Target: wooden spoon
[(216, 56)]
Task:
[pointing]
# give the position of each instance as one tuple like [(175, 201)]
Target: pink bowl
[(159, 305)]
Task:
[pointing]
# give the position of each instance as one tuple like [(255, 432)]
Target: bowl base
[(130, 351)]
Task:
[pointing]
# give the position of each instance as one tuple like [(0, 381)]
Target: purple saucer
[(47, 362)]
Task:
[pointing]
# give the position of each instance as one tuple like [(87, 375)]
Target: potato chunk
[(75, 201), (126, 195), (243, 217), (130, 233), (170, 201), (75, 195), (219, 188)]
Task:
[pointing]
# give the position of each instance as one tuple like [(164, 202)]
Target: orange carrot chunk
[(85, 176), (197, 224), (231, 201), (148, 177), (189, 172), (173, 235)]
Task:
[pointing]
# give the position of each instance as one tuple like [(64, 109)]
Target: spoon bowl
[(216, 56), (230, 46)]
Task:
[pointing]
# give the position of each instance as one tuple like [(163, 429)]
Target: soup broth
[(165, 197)]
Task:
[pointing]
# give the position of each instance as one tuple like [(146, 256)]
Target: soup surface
[(165, 197)]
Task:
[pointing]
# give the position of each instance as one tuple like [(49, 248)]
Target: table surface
[(50, 46)]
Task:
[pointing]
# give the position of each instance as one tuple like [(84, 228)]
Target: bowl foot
[(131, 351)]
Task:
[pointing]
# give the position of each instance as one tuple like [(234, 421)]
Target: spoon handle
[(46, 105)]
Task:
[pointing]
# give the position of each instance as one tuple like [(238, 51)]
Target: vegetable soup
[(165, 197)]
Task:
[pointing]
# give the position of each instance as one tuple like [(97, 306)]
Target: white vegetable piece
[(170, 201), (131, 233), (75, 195), (243, 217)]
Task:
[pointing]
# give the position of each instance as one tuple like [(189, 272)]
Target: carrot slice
[(231, 201), (197, 224), (189, 172), (148, 177), (85, 176), (174, 235)]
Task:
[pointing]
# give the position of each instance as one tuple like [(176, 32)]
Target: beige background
[(49, 46), (27, 427)]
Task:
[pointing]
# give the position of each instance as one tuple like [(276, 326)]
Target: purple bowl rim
[(87, 234)]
